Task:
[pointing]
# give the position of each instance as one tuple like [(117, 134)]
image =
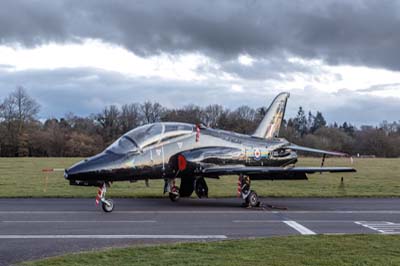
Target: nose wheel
[(106, 204)]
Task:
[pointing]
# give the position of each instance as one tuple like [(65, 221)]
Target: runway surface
[(36, 228)]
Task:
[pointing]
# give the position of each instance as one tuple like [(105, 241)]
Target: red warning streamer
[(48, 170), (239, 188), (99, 194), (197, 133)]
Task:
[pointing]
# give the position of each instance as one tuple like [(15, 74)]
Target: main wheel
[(108, 206), (201, 188), (174, 194), (252, 199), (187, 187)]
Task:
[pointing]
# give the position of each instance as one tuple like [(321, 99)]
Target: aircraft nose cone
[(91, 166), (78, 168)]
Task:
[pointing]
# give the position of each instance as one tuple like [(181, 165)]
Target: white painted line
[(113, 237), (132, 212), (68, 221), (206, 212), (300, 228), (346, 212), (382, 227), (300, 221), (365, 224), (256, 221)]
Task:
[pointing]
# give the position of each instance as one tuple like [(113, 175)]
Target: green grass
[(355, 250), (22, 177)]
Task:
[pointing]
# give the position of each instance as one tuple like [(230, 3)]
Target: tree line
[(23, 134)]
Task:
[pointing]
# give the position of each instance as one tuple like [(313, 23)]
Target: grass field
[(22, 177), (361, 250)]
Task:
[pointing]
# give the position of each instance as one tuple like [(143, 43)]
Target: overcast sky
[(339, 57)]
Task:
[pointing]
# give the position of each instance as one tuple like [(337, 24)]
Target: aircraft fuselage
[(202, 147)]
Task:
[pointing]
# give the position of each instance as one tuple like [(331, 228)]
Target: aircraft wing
[(272, 173), (306, 149), (254, 170)]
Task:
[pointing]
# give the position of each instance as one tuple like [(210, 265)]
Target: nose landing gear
[(106, 204)]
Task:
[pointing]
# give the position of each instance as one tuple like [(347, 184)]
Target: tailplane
[(271, 123)]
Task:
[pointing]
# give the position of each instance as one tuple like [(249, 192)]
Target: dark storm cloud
[(273, 68), (339, 32), (86, 90)]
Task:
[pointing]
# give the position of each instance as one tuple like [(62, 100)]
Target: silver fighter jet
[(191, 153)]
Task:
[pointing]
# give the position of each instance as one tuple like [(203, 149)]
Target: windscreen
[(146, 134), (122, 145), (178, 127)]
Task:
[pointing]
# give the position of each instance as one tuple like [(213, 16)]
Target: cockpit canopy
[(147, 135)]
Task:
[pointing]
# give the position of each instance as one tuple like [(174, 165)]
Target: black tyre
[(252, 199), (187, 187), (201, 188), (108, 207)]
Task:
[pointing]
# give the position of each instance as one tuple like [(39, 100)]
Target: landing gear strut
[(244, 191), (106, 204), (172, 189)]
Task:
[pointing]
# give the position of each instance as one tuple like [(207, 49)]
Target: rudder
[(271, 123)]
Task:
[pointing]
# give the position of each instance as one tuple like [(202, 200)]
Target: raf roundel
[(257, 154)]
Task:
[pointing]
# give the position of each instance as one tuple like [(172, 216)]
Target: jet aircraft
[(191, 153)]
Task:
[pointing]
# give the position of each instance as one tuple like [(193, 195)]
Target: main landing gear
[(106, 204), (244, 191), (188, 185)]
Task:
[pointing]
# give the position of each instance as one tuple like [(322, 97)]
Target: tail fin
[(271, 123)]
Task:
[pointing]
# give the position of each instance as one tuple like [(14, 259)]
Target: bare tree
[(109, 123), (242, 120), (188, 114), (55, 134), (82, 124), (151, 112), (18, 110), (212, 114), (19, 106), (130, 116), (246, 113)]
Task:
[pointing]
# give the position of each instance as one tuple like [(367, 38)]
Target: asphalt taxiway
[(36, 228)]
